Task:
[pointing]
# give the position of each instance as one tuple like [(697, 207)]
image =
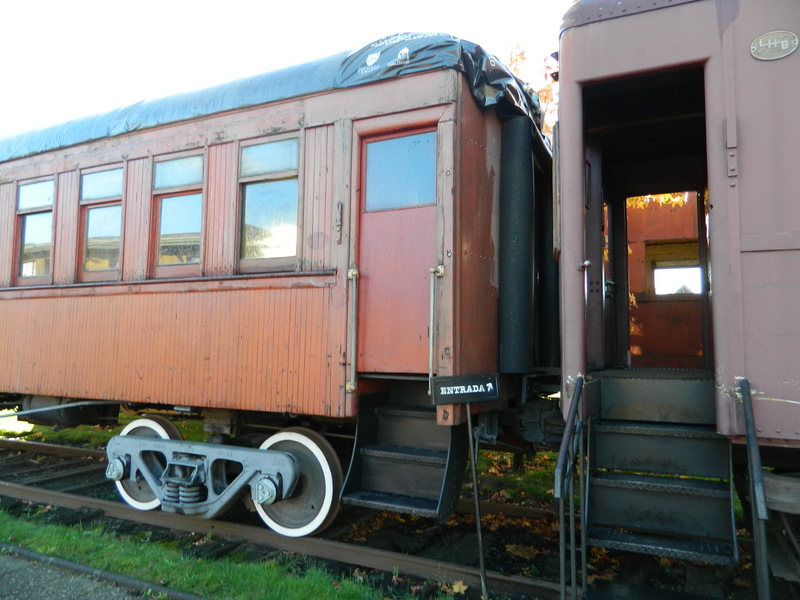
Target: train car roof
[(493, 85), (583, 12)]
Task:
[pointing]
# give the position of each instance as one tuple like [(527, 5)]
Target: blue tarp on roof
[(493, 85)]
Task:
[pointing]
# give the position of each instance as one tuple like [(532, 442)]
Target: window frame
[(176, 270), (84, 206), (20, 217), (278, 263)]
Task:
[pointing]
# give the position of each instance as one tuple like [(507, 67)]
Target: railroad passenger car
[(293, 257), (676, 124)]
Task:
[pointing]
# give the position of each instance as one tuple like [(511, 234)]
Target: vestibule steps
[(660, 478), (403, 461)]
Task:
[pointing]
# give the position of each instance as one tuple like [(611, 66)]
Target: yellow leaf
[(459, 587), (522, 551)]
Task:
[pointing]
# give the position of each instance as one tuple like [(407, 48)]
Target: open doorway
[(647, 307)]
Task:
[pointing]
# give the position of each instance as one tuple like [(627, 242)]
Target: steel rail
[(42, 448), (324, 549)]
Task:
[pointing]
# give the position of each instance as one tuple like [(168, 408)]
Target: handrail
[(567, 437), (758, 500), (564, 487)]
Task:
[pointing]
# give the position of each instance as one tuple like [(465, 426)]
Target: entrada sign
[(465, 389)]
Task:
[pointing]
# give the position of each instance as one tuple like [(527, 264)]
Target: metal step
[(403, 471), (694, 450), (693, 508), (414, 427), (709, 551), (419, 507), (606, 590), (404, 462), (680, 398)]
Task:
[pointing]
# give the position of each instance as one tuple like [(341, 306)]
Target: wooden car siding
[(8, 193), (266, 349), (318, 236), (221, 217), (136, 204), (66, 224)]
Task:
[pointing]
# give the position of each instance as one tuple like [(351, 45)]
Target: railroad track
[(29, 488)]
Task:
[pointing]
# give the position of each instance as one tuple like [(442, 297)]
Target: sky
[(64, 60)]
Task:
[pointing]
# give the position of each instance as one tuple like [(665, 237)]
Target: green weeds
[(285, 577)]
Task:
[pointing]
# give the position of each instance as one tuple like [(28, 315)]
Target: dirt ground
[(529, 547)]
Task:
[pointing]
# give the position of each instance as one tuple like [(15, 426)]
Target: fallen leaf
[(522, 551)]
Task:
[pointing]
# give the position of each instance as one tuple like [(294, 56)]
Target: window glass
[(180, 225), (269, 222), (401, 172), (103, 229), (35, 247), (103, 184), (269, 158), (35, 195), (677, 280), (179, 172)]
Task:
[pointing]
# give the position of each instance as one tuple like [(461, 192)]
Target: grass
[(85, 436), (289, 578), (500, 481)]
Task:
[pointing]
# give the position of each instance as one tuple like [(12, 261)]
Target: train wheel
[(135, 490), (314, 503)]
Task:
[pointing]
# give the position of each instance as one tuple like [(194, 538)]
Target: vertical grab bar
[(437, 271), (758, 501), (352, 276)]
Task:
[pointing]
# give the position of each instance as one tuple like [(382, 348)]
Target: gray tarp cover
[(493, 85)]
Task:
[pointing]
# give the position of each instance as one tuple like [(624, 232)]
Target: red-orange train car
[(307, 247)]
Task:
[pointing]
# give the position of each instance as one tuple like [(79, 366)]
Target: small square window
[(36, 195), (274, 157), (102, 184), (180, 172), (401, 172), (677, 280)]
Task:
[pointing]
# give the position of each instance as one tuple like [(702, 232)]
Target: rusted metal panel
[(8, 193), (583, 12), (771, 296), (667, 332), (66, 227), (476, 220)]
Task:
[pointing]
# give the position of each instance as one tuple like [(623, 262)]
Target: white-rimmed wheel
[(314, 503), (135, 489)]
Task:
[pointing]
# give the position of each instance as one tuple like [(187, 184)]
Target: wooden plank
[(66, 225), (8, 200)]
